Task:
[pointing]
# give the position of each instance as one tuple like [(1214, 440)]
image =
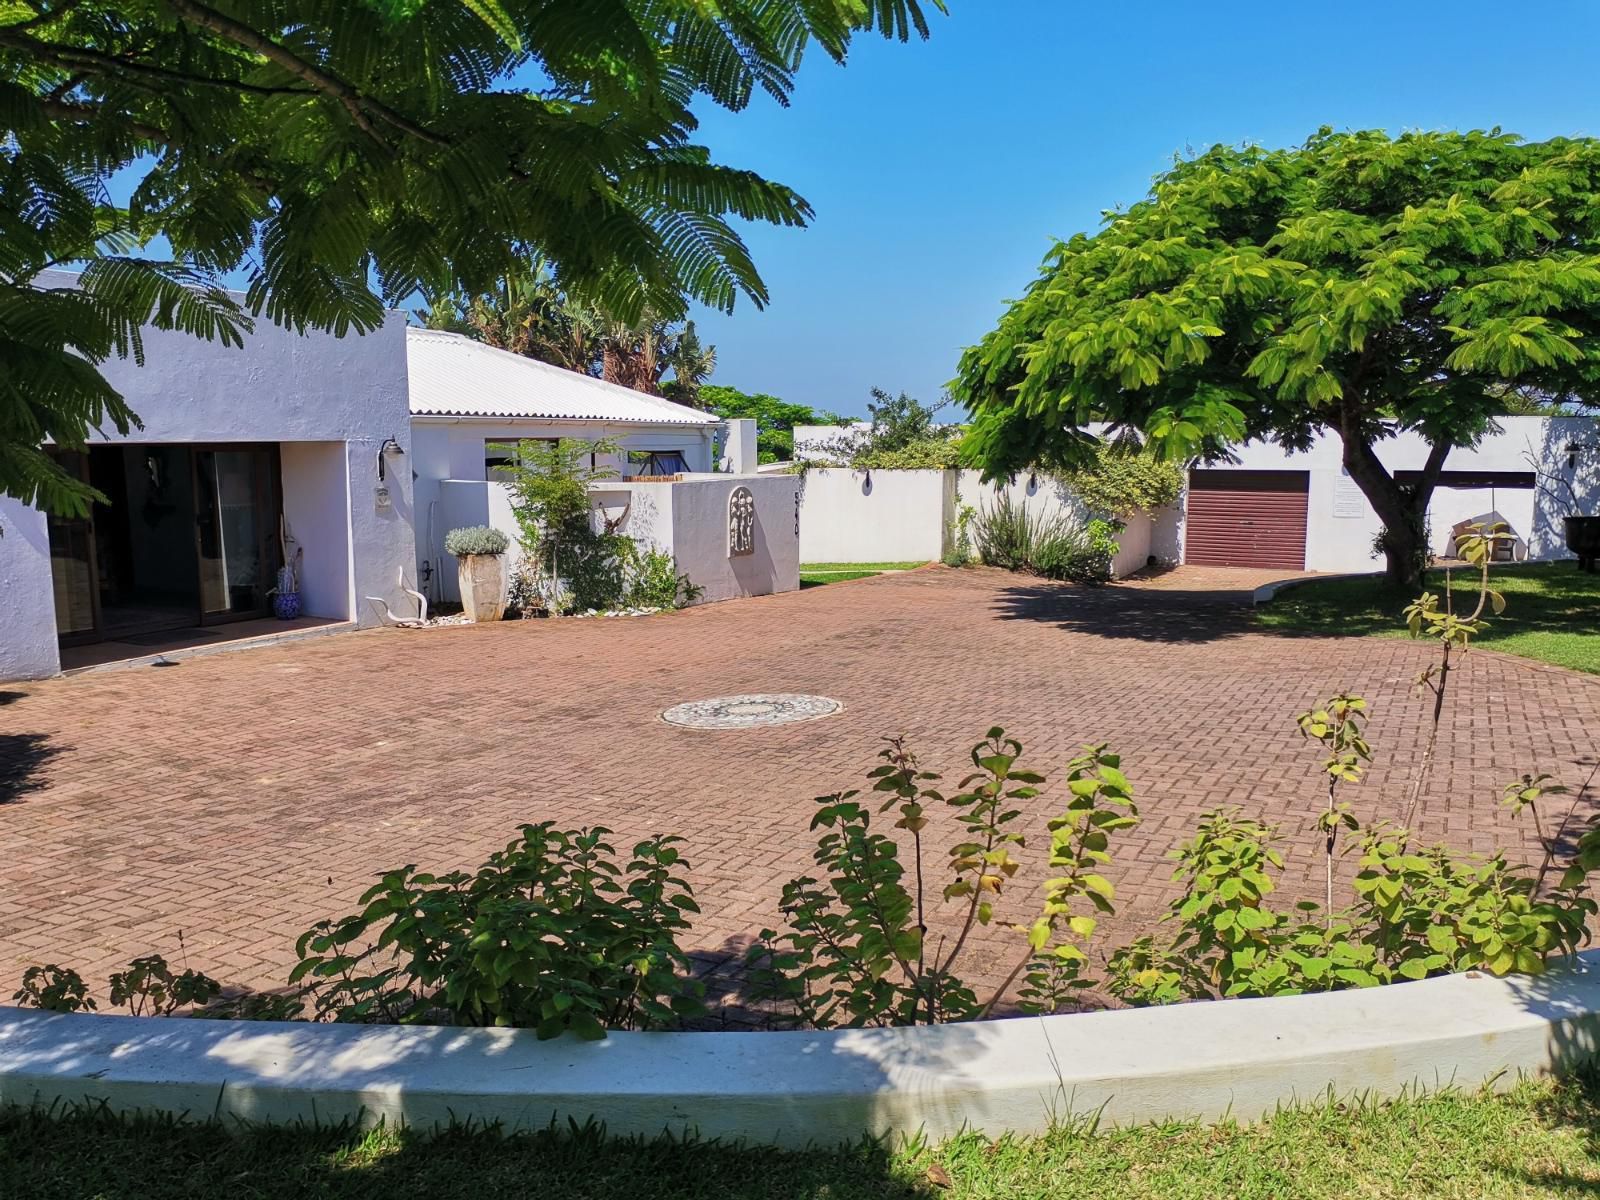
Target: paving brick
[(241, 797)]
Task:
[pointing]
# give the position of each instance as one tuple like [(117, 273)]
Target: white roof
[(453, 375)]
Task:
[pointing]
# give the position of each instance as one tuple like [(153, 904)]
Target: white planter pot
[(483, 586)]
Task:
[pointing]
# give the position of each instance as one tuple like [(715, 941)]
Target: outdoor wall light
[(390, 446)]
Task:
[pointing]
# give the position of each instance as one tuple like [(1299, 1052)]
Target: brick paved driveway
[(238, 798)]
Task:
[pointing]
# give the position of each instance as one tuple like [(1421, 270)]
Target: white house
[(1300, 510), (308, 433), (672, 489)]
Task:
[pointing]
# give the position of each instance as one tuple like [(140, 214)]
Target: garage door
[(1246, 519)]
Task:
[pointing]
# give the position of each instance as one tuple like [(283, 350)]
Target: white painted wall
[(462, 503), (740, 455), (27, 602), (814, 443), (280, 387), (452, 449), (700, 535), (1341, 525), (687, 519), (910, 516), (316, 507), (874, 516)]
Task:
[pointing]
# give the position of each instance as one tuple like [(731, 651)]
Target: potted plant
[(479, 550), (286, 596)]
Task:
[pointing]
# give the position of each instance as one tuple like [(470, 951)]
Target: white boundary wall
[(849, 515), (687, 518), (1205, 1061)]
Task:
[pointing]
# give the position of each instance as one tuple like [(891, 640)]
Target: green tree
[(344, 154), (1361, 284), (900, 421), (775, 419)]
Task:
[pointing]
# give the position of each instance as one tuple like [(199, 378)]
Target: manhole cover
[(748, 712)]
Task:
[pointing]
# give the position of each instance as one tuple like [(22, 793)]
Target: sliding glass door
[(188, 536), (236, 521)]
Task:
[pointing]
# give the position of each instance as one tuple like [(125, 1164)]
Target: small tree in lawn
[(1362, 284)]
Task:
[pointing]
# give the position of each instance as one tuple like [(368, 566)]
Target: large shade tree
[(345, 154), (1361, 284)]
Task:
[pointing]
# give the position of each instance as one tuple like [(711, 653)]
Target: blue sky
[(940, 171)]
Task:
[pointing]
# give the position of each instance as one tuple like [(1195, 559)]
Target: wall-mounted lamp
[(390, 446)]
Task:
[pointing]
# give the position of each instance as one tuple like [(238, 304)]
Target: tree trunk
[(1403, 509)]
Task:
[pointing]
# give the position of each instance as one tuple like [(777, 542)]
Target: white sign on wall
[(1348, 500)]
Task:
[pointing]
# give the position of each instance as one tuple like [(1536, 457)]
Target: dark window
[(496, 457), (1473, 479), (655, 462)]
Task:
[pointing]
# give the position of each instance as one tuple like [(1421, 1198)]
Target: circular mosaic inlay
[(748, 712)]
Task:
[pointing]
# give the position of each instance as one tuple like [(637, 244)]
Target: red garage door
[(1246, 519)]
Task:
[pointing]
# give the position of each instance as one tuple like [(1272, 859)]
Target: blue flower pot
[(286, 605)]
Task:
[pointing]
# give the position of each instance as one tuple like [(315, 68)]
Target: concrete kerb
[(1271, 591), (1236, 1058)]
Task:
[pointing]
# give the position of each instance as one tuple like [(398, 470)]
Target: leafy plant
[(551, 933), (54, 989), (475, 539), (857, 949), (1337, 726), (149, 988), (1121, 480), (654, 580), (292, 143), (1428, 617), (549, 484), (1009, 535), (959, 553)]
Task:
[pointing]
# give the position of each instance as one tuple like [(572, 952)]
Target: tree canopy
[(775, 419), (347, 154), (1361, 283), (530, 314)]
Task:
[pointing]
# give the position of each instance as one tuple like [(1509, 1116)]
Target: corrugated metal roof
[(452, 375)]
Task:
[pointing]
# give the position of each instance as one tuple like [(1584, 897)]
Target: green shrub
[(148, 988), (1009, 535), (959, 553), (1122, 480), (855, 950), (937, 452), (552, 933), (475, 539), (54, 989), (653, 579)]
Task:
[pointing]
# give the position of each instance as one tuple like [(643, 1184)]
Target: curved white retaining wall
[(1238, 1057)]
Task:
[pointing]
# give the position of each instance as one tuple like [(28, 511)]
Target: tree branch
[(323, 81), (77, 56)]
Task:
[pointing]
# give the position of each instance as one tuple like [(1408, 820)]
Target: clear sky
[(940, 171)]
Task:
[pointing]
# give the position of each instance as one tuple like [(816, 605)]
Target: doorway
[(188, 537)]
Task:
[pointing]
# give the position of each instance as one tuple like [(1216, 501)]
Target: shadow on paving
[(22, 759), (1141, 614)]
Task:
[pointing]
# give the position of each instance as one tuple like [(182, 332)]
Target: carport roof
[(452, 375)]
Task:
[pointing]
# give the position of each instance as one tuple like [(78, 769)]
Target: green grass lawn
[(817, 574), (1552, 611), (1541, 1140)]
